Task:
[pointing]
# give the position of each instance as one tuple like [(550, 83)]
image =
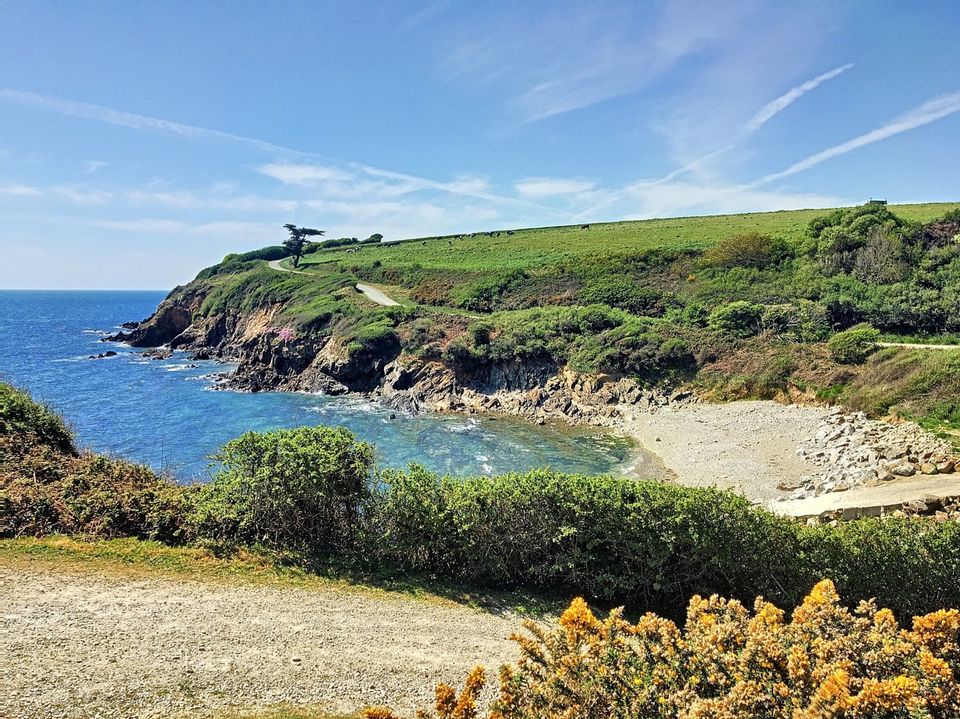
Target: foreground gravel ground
[(88, 644)]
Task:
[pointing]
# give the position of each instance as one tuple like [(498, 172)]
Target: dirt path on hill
[(377, 296), (275, 265), (917, 346), (82, 643), (372, 293)]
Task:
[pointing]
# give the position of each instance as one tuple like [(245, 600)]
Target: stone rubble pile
[(854, 451), (936, 509)]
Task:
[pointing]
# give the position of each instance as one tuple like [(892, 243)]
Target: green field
[(530, 248), (736, 305)]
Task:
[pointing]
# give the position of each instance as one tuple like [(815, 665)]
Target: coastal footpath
[(113, 639)]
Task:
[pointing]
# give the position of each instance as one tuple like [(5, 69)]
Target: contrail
[(926, 113), (791, 96)]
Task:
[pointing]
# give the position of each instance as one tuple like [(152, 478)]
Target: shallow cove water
[(164, 414)]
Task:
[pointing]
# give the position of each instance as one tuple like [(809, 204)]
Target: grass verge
[(142, 558)]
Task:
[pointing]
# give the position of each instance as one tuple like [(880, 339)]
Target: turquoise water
[(165, 414)]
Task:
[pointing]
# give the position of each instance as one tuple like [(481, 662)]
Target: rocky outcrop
[(174, 316), (158, 353), (537, 392), (855, 451)]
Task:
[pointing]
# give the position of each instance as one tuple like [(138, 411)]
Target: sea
[(167, 413)]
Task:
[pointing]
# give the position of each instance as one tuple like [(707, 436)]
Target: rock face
[(158, 353), (536, 392), (320, 363), (174, 315), (855, 451)]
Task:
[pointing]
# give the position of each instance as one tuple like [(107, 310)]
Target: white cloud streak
[(539, 187), (89, 111), (466, 187), (926, 113), (780, 104)]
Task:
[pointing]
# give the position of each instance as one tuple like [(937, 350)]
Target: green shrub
[(626, 293), (740, 319), (268, 254), (854, 345), (645, 543), (20, 415), (750, 249), (297, 489), (378, 333), (615, 539), (482, 295)]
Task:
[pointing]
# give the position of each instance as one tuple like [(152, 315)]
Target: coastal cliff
[(321, 360)]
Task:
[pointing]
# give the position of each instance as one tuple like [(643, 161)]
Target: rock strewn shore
[(851, 450)]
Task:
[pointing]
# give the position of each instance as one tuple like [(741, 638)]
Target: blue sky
[(140, 142)]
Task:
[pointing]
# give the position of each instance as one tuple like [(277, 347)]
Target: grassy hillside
[(530, 248), (739, 305)]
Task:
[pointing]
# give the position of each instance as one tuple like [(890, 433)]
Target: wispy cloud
[(163, 225), (926, 113), (540, 187), (94, 165), (648, 199), (306, 175), (20, 190), (569, 58), (131, 120), (791, 96), (318, 168)]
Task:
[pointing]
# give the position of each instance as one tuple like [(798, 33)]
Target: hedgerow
[(314, 492)]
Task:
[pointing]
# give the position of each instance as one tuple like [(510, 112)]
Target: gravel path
[(377, 296), (916, 346), (88, 644)]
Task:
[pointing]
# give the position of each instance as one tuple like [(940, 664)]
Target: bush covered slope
[(313, 494), (738, 305)]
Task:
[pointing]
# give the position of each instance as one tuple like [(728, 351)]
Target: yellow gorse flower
[(725, 662)]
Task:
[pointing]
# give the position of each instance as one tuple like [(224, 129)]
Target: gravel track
[(79, 643)]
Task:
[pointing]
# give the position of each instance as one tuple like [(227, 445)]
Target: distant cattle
[(584, 227), (509, 232)]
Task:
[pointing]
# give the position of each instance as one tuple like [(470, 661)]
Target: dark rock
[(103, 355), (160, 353)]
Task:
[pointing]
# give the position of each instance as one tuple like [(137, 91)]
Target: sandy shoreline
[(747, 446)]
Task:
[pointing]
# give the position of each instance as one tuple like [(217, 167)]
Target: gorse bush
[(47, 487), (854, 345), (297, 489), (725, 662), (748, 250), (739, 319)]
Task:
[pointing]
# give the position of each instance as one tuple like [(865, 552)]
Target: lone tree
[(298, 240)]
